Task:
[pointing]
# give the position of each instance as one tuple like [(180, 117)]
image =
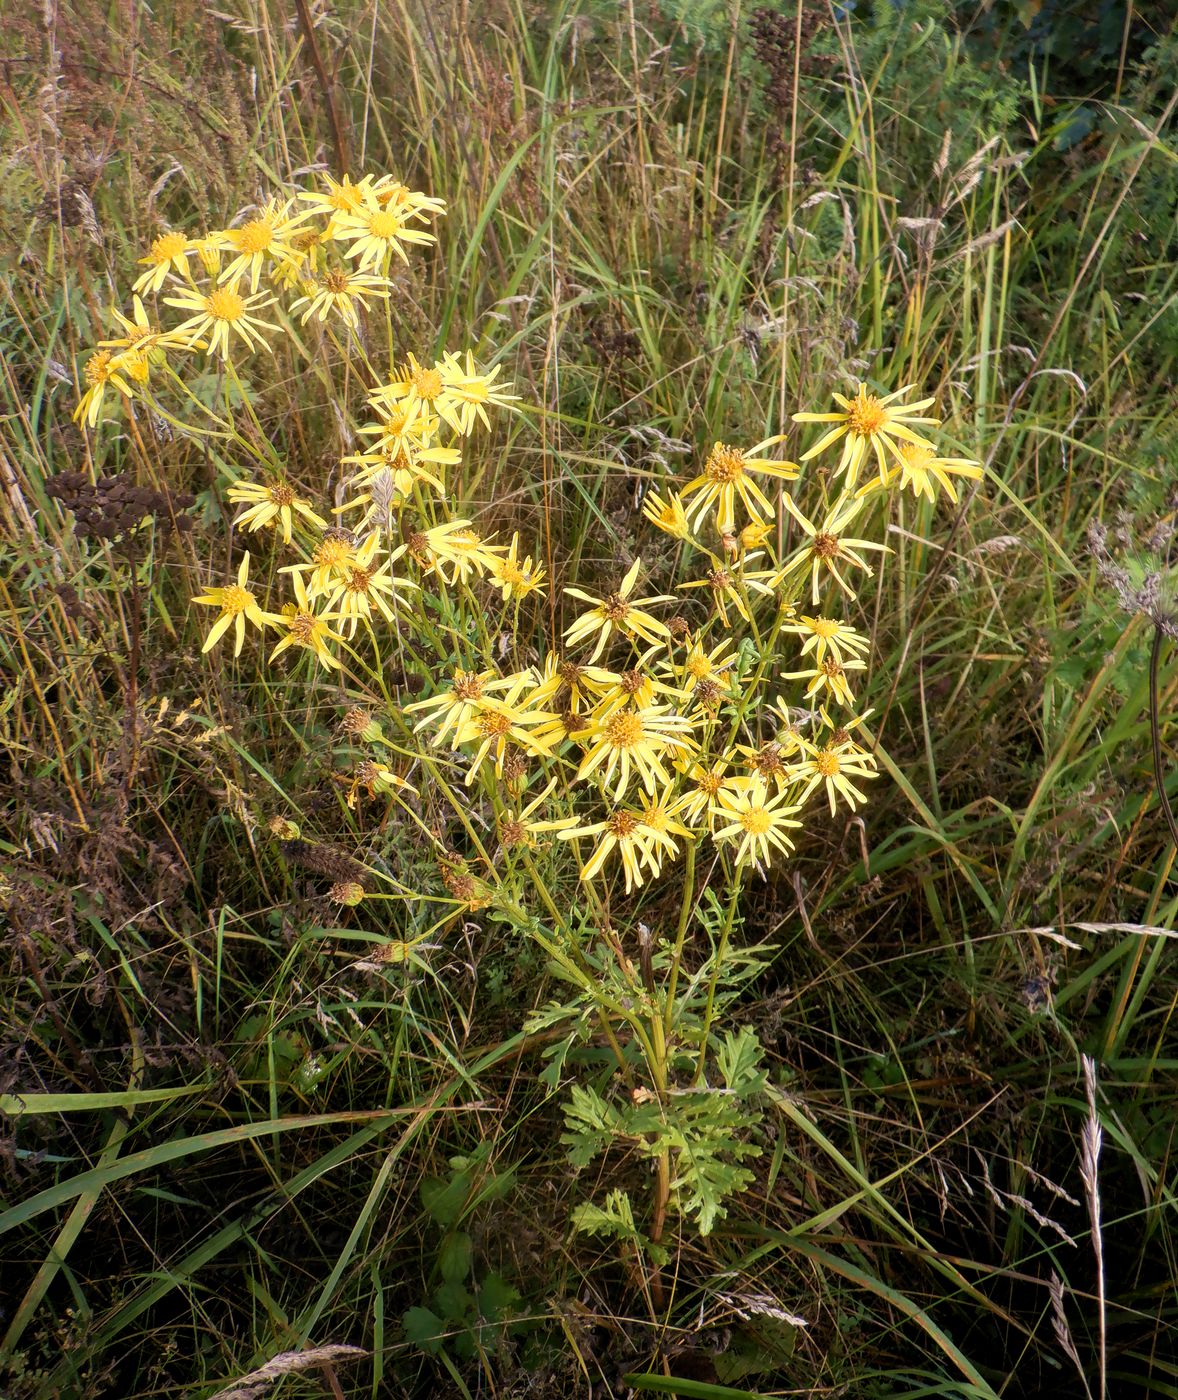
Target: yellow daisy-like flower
[(869, 423), (728, 473), (514, 576), (624, 832), (332, 557), (450, 709), (306, 628), (104, 368), (267, 235), (463, 549), (340, 292), (617, 612), (418, 391), (758, 821), (362, 585), (825, 634), (518, 828), (390, 193), (469, 392), (725, 585), (669, 516), (661, 825), (376, 233), (220, 314), (500, 722), (830, 674), (833, 767), (918, 469), (270, 502), (340, 196), (238, 604), (769, 762), (828, 548), (140, 334), (630, 742), (168, 253), (698, 802), (569, 685), (701, 666)]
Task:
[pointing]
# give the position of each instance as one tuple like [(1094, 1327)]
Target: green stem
[(722, 949), (685, 909)]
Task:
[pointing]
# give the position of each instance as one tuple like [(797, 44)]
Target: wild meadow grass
[(326, 1071)]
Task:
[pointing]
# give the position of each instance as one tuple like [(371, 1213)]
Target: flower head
[(221, 314), (269, 502), (869, 423), (756, 820), (615, 613), (168, 253), (729, 473), (918, 469), (237, 603)]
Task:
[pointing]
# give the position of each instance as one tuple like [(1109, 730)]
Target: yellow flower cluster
[(711, 709), (322, 253)]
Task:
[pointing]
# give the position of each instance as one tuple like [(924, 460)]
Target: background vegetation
[(230, 1136)]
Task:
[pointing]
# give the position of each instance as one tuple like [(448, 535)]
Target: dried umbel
[(115, 510)]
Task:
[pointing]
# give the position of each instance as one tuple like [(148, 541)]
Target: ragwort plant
[(695, 714)]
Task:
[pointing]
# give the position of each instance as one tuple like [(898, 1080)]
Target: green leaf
[(444, 1199), (739, 1058), (424, 1329), (455, 1256)]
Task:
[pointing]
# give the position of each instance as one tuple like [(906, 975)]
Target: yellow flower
[(168, 253), (516, 577), (705, 783), (390, 193), (104, 368), (828, 547), (725, 585), (418, 391), (139, 334), (376, 233), (340, 196), (341, 291), (500, 722), (517, 828), (726, 475), (361, 585), (221, 313), (701, 665), (920, 470), (768, 762), (825, 634), (635, 687), (306, 628), (330, 560), (830, 674), (267, 235), (569, 685), (833, 767), (237, 603), (616, 613), (758, 821), (660, 824), (868, 422), (269, 502), (374, 777), (469, 392), (463, 549), (669, 516), (467, 693), (634, 741), (624, 832)]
